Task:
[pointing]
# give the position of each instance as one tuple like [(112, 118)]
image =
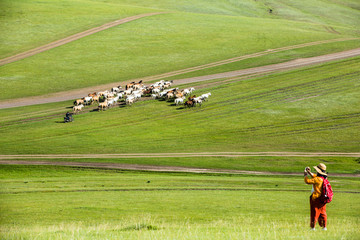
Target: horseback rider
[(68, 117)]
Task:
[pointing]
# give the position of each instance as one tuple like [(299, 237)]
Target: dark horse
[(189, 103)]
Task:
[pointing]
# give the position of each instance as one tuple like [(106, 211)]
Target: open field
[(71, 38), (314, 112), (242, 73), (30, 24), (60, 203), (115, 55), (229, 169), (172, 41)]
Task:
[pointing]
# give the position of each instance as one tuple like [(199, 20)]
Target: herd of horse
[(135, 90)]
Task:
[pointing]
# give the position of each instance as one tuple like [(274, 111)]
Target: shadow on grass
[(138, 227), (60, 122)]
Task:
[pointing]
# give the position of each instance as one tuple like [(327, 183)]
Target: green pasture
[(39, 202), (29, 24), (184, 37), (26, 24), (328, 12), (149, 46), (312, 109)]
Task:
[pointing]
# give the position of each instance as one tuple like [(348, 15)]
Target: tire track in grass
[(303, 122), (291, 93), (167, 189), (28, 115), (313, 129), (285, 94)]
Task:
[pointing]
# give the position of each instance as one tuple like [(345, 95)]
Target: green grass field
[(62, 203), (176, 40), (310, 109), (27, 24)]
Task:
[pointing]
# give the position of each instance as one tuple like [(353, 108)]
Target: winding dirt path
[(73, 38), (152, 168)]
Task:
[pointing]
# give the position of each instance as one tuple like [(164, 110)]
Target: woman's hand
[(305, 171)]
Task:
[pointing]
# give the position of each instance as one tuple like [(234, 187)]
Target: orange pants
[(317, 213)]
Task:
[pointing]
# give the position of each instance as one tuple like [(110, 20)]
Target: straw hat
[(321, 168)]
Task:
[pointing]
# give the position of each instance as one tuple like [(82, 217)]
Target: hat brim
[(320, 171)]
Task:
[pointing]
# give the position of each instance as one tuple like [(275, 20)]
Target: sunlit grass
[(308, 110), (268, 207), (145, 47)]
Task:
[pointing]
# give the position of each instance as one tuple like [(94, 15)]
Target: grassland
[(150, 46), (62, 203), (27, 24), (311, 109)]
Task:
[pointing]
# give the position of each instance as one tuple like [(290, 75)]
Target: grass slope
[(62, 203), (29, 24), (145, 47), (311, 109)]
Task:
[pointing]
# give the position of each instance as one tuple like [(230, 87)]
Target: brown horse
[(192, 98), (78, 102), (133, 84), (148, 91), (189, 103), (95, 98), (129, 85), (103, 105), (92, 94)]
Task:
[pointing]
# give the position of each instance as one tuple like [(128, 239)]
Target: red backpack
[(327, 192)]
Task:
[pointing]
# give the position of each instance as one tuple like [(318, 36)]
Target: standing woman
[(317, 207)]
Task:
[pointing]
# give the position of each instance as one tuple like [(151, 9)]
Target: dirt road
[(138, 167)]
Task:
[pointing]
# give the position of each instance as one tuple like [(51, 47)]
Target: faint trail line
[(152, 168), (167, 155), (165, 189), (73, 38)]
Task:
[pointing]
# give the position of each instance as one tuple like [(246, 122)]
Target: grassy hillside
[(29, 24), (198, 32), (311, 109), (62, 203)]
